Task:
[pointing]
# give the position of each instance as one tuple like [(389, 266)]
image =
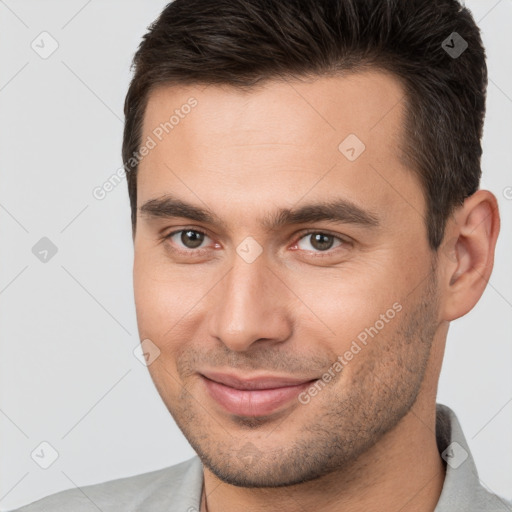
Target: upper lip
[(254, 383)]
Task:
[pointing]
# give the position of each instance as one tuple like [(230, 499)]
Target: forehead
[(291, 138), (288, 110)]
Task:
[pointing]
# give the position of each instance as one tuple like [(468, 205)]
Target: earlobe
[(472, 233)]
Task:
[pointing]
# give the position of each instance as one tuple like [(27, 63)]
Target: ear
[(467, 253)]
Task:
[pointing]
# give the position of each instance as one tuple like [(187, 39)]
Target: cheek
[(344, 303), (169, 300), (160, 310), (158, 296)]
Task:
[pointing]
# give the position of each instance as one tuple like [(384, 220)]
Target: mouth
[(255, 396)]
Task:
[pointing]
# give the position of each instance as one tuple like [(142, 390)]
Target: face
[(282, 272)]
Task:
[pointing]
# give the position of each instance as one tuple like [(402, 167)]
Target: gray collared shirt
[(178, 488)]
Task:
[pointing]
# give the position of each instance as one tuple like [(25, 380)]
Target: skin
[(298, 305)]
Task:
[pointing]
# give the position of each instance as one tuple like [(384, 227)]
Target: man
[(307, 221)]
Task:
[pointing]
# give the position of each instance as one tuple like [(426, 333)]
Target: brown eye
[(320, 242), (187, 238), (192, 239)]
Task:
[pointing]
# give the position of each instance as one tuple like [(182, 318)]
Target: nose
[(251, 305)]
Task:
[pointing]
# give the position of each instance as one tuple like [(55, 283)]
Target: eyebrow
[(339, 210)]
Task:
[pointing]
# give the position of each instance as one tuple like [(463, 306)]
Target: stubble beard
[(349, 418)]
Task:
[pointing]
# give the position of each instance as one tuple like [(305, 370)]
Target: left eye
[(189, 238), (319, 241)]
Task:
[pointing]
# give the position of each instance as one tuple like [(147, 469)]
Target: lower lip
[(258, 402)]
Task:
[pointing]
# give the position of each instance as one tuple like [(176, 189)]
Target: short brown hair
[(245, 42)]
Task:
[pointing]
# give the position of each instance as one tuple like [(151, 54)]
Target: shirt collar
[(462, 490)]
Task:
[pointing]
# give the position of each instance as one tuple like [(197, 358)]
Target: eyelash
[(302, 235)]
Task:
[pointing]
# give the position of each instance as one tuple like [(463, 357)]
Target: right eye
[(190, 239)]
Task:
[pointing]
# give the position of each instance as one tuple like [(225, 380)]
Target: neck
[(403, 471)]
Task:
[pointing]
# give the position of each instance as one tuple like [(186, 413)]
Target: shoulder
[(462, 488), (176, 487)]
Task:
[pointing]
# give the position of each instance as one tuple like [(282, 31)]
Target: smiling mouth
[(253, 396)]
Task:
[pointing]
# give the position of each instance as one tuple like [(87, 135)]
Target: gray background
[(68, 375)]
